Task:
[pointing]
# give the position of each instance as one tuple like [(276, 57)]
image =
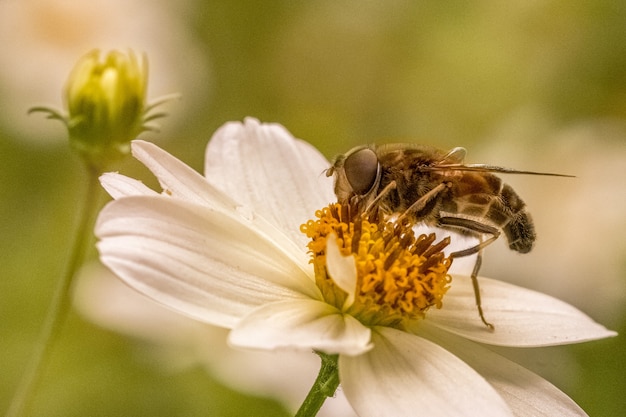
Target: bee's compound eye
[(361, 169)]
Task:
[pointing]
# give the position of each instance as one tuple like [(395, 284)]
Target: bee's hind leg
[(477, 264), (478, 229)]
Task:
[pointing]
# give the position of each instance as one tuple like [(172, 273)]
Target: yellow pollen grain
[(399, 276)]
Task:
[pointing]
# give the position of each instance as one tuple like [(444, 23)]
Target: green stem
[(60, 303), (324, 386)]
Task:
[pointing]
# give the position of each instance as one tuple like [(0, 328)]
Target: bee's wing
[(487, 168), (454, 157)]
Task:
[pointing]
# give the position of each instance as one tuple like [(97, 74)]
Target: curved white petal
[(119, 186), (309, 324), (178, 179), (342, 269), (526, 393), (406, 375), (264, 167), (521, 317), (196, 260)]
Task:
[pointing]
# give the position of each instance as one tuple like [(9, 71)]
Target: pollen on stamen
[(399, 275)]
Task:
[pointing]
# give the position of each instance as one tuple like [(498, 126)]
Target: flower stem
[(60, 303), (324, 386)]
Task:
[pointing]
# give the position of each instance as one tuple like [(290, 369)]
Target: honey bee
[(427, 185)]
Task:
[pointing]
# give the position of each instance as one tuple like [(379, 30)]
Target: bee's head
[(356, 173)]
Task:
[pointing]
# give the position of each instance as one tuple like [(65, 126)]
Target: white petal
[(177, 179), (309, 324), (525, 392), (262, 166), (521, 317), (342, 269), (121, 186), (406, 375), (200, 262)]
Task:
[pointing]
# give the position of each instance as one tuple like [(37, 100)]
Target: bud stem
[(60, 303), (324, 386)]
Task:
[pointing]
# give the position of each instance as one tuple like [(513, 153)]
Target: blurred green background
[(533, 85)]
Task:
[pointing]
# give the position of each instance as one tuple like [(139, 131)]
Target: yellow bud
[(106, 105)]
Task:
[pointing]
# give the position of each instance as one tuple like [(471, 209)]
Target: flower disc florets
[(399, 276)]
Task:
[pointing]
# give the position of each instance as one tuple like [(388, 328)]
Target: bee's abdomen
[(520, 230)]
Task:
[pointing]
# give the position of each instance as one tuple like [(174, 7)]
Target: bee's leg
[(478, 229), (379, 197), (472, 227), (421, 202), (477, 264)]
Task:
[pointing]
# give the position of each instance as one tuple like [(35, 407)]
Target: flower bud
[(106, 105)]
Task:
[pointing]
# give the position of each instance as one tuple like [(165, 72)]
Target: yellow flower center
[(399, 275)]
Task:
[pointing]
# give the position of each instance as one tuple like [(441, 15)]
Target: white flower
[(227, 249)]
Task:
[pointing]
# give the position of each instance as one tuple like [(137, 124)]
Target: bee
[(427, 185)]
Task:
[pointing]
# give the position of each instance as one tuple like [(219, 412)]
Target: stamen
[(399, 276)]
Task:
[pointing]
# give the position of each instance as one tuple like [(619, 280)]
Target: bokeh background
[(535, 85)]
